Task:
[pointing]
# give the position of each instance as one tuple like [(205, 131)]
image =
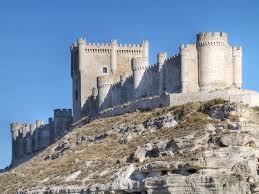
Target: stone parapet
[(251, 98)]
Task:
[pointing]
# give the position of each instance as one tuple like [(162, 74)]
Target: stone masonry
[(109, 75), (111, 79), (28, 139)]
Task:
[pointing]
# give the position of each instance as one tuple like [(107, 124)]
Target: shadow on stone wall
[(154, 82), (29, 140)]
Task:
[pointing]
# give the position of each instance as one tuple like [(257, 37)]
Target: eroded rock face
[(167, 120), (221, 111), (159, 156)]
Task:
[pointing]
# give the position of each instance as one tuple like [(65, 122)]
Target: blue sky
[(35, 36)]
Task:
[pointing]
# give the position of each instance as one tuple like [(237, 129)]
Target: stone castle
[(111, 79), (108, 75)]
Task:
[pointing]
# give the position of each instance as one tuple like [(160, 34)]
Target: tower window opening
[(76, 95), (105, 70)]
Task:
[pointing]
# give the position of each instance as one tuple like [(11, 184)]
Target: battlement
[(187, 46), (32, 127), (137, 64), (125, 73), (39, 123), (237, 50), (20, 128), (105, 48), (59, 113), (25, 129), (188, 49), (104, 81), (28, 138), (15, 126), (173, 58), (209, 36)]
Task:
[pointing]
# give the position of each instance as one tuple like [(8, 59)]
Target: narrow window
[(105, 70), (76, 94)]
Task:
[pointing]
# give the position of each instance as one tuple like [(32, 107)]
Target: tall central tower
[(92, 60)]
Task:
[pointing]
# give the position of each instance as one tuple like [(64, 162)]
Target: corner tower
[(215, 64)]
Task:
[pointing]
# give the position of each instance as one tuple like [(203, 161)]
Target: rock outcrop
[(207, 147)]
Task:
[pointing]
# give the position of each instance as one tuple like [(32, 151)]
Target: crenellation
[(237, 50), (103, 81), (62, 113), (125, 74), (205, 36), (108, 59), (28, 138), (114, 78), (39, 123)]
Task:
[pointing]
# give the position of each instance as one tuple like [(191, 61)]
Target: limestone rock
[(221, 111), (218, 155), (167, 120)]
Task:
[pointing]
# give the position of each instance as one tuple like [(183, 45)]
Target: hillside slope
[(207, 147)]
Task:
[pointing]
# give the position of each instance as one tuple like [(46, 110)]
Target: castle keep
[(108, 75), (28, 138)]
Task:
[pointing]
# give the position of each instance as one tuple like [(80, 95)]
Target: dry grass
[(106, 153)]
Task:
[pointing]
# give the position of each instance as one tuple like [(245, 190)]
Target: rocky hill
[(207, 147)]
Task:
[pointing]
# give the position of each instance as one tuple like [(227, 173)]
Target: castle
[(28, 139), (107, 75), (111, 79)]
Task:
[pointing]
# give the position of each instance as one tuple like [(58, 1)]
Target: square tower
[(91, 60)]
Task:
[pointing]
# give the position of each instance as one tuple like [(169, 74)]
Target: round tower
[(123, 78), (139, 67), (237, 66), (94, 93), (212, 49), (25, 129), (39, 123), (161, 57), (104, 84), (32, 128), (15, 126), (81, 51)]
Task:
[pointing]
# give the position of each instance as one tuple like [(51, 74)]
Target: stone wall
[(109, 75), (248, 97), (91, 60), (28, 139), (172, 74)]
